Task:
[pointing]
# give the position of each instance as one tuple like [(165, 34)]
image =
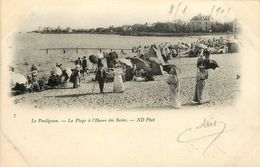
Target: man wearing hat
[(101, 76)]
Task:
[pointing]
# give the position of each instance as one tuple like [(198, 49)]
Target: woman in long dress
[(119, 86), (174, 84), (200, 93), (76, 77)]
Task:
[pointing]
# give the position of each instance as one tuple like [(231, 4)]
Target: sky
[(93, 14)]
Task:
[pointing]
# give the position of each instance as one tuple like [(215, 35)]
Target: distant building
[(236, 25), (201, 23)]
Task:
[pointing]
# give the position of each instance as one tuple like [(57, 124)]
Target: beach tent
[(154, 58), (140, 64), (233, 46), (156, 65), (156, 69), (153, 52)]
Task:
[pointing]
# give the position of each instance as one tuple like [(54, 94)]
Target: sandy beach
[(223, 89)]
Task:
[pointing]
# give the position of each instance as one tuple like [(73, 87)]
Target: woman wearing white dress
[(119, 86), (174, 84)]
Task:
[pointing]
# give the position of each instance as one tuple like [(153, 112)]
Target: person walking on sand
[(200, 93), (119, 86), (101, 76), (174, 84)]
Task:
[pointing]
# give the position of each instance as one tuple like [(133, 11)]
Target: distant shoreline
[(155, 34)]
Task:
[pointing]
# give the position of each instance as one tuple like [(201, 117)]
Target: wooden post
[(46, 51), (77, 50), (64, 51)]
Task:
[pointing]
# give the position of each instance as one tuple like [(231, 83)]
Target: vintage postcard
[(130, 83)]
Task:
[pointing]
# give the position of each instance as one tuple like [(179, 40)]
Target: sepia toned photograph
[(180, 58), (122, 83)]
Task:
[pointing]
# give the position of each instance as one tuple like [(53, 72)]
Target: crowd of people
[(119, 72)]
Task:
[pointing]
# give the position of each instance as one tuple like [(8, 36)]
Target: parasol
[(211, 65), (93, 59)]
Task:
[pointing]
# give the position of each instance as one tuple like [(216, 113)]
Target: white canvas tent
[(155, 60)]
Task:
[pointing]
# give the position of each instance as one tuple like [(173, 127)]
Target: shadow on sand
[(78, 95)]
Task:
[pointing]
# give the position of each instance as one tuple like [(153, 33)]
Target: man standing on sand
[(101, 76), (84, 65)]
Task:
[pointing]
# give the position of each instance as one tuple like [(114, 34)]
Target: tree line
[(178, 26)]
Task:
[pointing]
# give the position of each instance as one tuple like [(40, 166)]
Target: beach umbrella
[(211, 65), (126, 62), (93, 59), (57, 71), (201, 46), (140, 64)]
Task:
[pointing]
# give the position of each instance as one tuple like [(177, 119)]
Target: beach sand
[(223, 90)]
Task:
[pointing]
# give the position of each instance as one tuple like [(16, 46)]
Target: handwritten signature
[(208, 125)]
